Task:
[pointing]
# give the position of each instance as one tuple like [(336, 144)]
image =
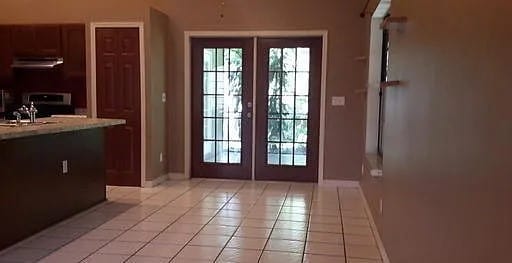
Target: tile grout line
[(238, 227), (376, 236), (175, 220), (63, 223), (124, 231), (309, 222), (204, 225), (342, 225), (215, 190), (275, 223)]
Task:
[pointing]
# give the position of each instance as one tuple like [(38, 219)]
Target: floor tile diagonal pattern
[(212, 221)]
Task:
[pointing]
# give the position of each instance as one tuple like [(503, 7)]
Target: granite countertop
[(56, 125)]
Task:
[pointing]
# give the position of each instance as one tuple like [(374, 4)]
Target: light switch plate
[(338, 101), (65, 167)]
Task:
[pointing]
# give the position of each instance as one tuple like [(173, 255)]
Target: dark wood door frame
[(189, 35), (220, 170), (94, 104), (264, 171)]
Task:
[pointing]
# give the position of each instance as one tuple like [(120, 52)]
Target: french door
[(285, 113), (288, 112), (221, 113)]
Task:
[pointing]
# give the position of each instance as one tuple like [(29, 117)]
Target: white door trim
[(253, 34), (94, 107)]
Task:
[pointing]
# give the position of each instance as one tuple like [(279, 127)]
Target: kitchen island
[(49, 172)]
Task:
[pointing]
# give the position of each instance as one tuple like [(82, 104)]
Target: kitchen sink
[(24, 123)]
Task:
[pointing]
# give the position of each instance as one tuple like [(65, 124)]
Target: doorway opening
[(382, 92), (118, 91), (283, 108)]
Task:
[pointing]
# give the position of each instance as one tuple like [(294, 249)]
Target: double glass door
[(283, 115)]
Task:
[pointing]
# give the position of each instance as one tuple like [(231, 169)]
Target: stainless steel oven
[(49, 103)]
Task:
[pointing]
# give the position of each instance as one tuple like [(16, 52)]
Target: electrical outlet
[(161, 157), (381, 206), (65, 167), (164, 97)]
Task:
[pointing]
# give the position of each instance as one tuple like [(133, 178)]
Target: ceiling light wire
[(365, 11)]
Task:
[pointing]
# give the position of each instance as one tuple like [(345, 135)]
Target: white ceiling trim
[(382, 9)]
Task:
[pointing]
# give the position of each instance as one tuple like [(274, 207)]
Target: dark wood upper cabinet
[(73, 43), (45, 40), (23, 38), (36, 40), (48, 40), (6, 55)]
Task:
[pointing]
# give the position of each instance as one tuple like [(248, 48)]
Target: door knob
[(249, 115)]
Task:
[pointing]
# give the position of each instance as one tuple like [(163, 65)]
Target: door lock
[(249, 115)]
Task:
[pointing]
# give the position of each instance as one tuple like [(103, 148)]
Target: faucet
[(31, 112), (18, 117)]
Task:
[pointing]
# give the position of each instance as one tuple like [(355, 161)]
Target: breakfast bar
[(50, 170)]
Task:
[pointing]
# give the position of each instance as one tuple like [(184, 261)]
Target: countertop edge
[(64, 125)]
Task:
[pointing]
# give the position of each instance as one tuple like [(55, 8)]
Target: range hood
[(36, 62)]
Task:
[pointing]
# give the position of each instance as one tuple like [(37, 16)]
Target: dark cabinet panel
[(23, 39), (47, 39), (73, 42), (36, 40), (39, 195), (6, 56)]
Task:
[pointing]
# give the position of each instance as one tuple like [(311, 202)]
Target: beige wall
[(158, 30), (62, 11), (447, 180), (347, 40)]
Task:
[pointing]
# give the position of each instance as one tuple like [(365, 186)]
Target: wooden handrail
[(392, 19), (392, 83), (382, 85), (359, 91)]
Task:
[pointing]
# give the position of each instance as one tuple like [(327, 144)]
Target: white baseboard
[(156, 181), (380, 244), (177, 176), (337, 183)]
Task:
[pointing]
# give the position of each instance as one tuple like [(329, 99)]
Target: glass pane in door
[(288, 104), (222, 105)]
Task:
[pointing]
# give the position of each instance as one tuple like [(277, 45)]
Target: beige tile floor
[(212, 221)]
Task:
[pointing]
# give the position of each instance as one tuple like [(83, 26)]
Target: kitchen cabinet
[(36, 40), (48, 40), (36, 192), (73, 43), (22, 39), (6, 56), (50, 195)]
